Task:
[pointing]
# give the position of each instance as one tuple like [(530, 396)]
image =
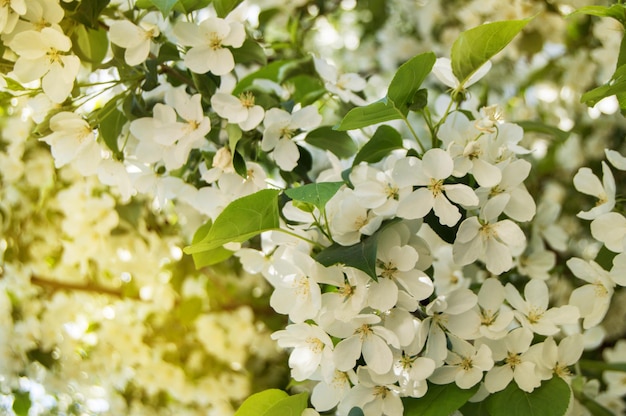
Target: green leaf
[(90, 45), (250, 52), (356, 411), (273, 402), (419, 100), (13, 85), (384, 140), (209, 257), (338, 142), (476, 46), (616, 11), (21, 403), (188, 6), (551, 398), (616, 85), (439, 400), (317, 194), (165, 6), (408, 79), (189, 309), (267, 72), (373, 113), (290, 406), (223, 7), (88, 12), (110, 126), (602, 366), (259, 403), (241, 220)]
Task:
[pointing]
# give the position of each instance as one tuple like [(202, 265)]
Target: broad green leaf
[(209, 257), (408, 79), (250, 52), (361, 256), (616, 11), (289, 406), (551, 398), (419, 100), (90, 45), (259, 403), (234, 135), (373, 113), (617, 85), (476, 46), (307, 89), (317, 194), (13, 85), (241, 220), (474, 409), (439, 400), (384, 140), (223, 7), (110, 128), (164, 6), (338, 142)]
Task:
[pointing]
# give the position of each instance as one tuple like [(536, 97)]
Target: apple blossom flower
[(370, 340), (10, 12), (342, 85), (241, 111), (310, 345), (534, 312), (593, 299), (209, 40), (377, 189), (348, 219), (332, 388), (44, 54), (281, 129), (495, 317), (516, 365), (556, 360), (464, 364), (610, 229), (494, 243), (376, 394), (412, 372), (72, 141), (429, 174), (136, 39), (586, 182)]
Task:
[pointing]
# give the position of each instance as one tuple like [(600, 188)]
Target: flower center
[(466, 364), (364, 331), (436, 186), (247, 99), (315, 344), (534, 316), (215, 42), (512, 360)]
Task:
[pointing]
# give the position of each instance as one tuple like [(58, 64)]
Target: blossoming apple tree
[(424, 220)]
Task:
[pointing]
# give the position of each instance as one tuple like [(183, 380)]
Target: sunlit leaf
[(476, 46), (616, 11), (617, 85), (223, 7), (273, 402), (209, 257), (317, 194), (90, 45), (373, 113), (241, 220), (409, 77), (250, 52), (21, 403)]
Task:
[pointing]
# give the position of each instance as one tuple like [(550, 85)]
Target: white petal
[(437, 164), (377, 354)]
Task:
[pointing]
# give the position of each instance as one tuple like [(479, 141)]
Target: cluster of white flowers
[(447, 268)]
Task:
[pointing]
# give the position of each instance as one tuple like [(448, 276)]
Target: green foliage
[(355, 411), (110, 123), (403, 91), (90, 45), (250, 52), (223, 7), (551, 398), (616, 85), (439, 400), (208, 257), (476, 46), (164, 6), (21, 403), (317, 194), (273, 402), (88, 12), (616, 11), (241, 220), (539, 127), (337, 142), (384, 140)]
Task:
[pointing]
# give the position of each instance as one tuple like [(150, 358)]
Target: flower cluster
[(408, 236)]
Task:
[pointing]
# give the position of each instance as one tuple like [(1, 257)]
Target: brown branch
[(90, 287)]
